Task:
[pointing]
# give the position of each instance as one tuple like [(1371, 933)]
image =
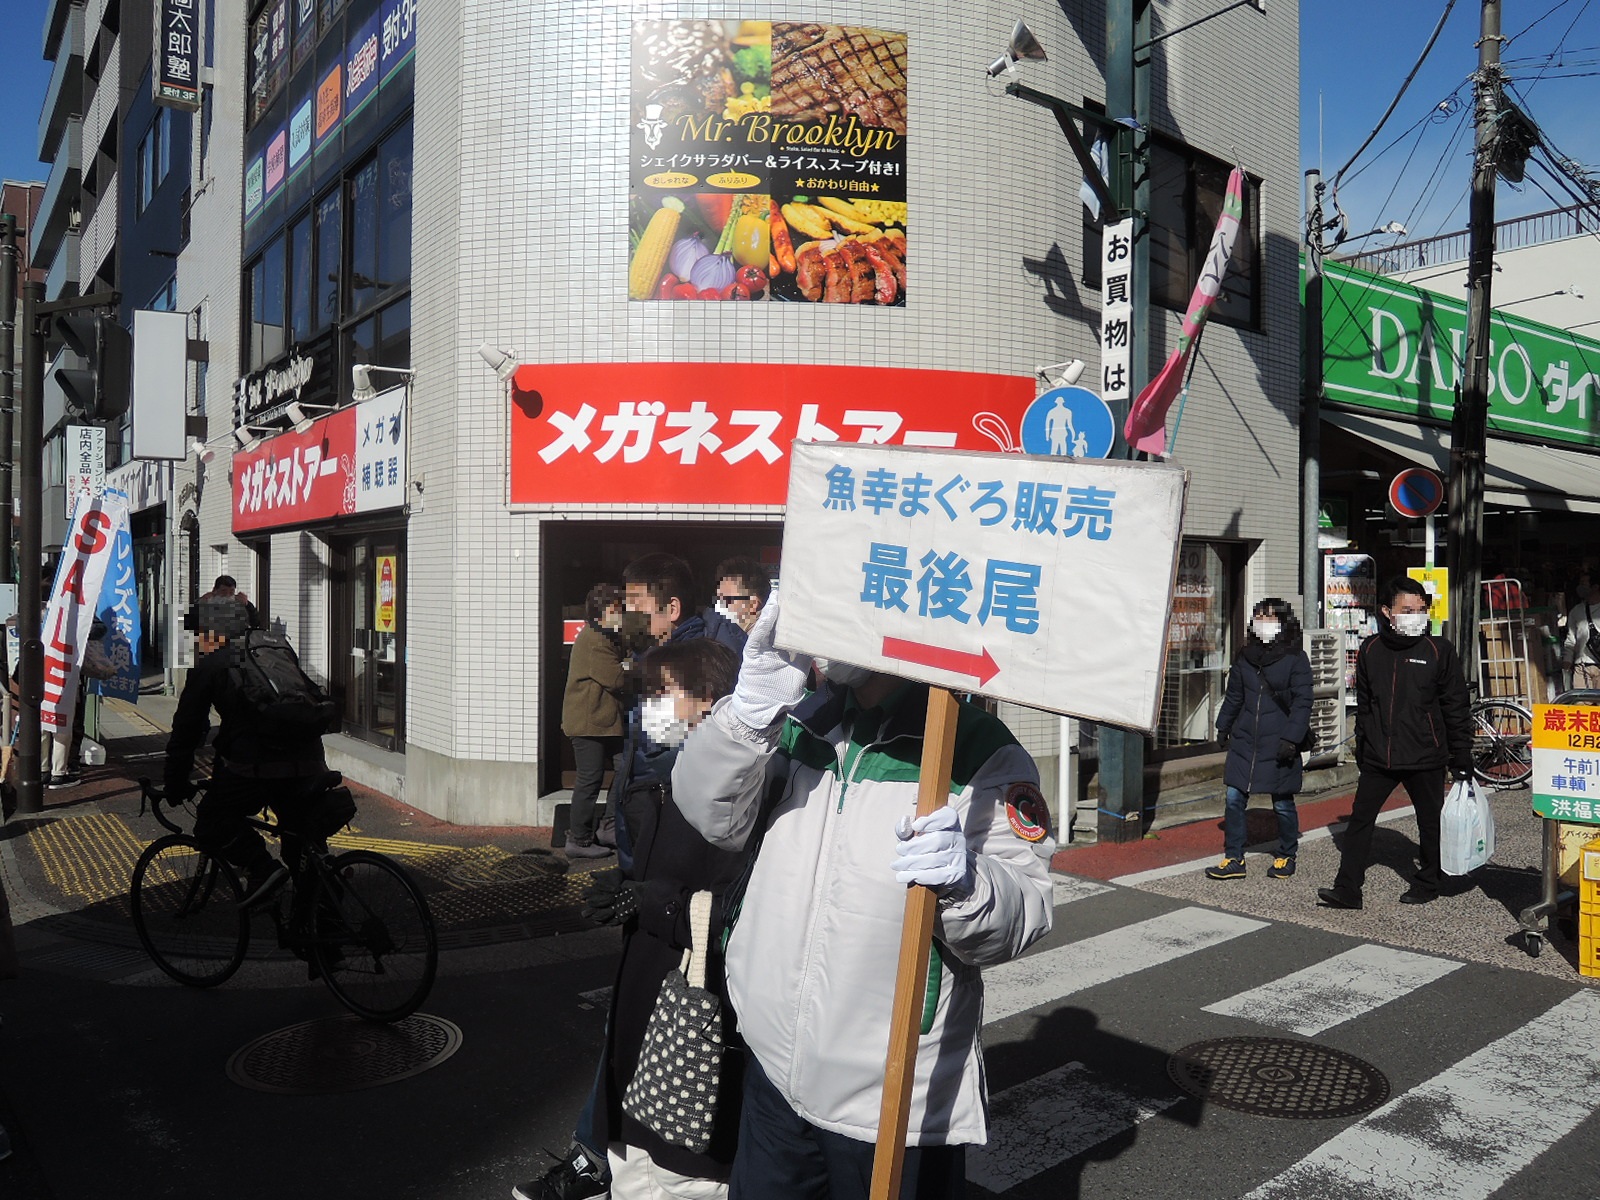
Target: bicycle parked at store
[(1502, 742), (357, 918)]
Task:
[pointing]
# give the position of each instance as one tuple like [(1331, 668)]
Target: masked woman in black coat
[(1265, 717)]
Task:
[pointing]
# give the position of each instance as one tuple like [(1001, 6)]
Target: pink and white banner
[(91, 542)]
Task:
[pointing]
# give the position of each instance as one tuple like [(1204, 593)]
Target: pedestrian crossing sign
[(1566, 762)]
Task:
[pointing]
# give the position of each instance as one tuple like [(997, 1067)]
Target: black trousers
[(782, 1156), (1426, 791), (594, 754), (219, 823)]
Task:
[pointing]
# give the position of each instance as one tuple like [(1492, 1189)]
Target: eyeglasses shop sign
[(1395, 348)]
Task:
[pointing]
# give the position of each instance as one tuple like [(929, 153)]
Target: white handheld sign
[(1039, 580)]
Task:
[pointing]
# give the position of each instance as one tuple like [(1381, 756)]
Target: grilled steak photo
[(820, 71)]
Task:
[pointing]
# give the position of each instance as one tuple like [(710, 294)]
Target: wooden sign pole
[(910, 988)]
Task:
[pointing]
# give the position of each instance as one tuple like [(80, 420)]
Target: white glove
[(933, 852), (771, 681)]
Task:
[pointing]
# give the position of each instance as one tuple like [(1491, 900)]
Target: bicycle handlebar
[(155, 797)]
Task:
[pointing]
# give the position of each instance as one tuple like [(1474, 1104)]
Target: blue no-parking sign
[(1068, 421)]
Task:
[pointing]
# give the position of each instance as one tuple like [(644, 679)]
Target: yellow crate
[(1588, 882), (1589, 957)]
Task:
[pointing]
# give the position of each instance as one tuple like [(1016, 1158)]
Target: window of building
[(166, 299), (1200, 643), (363, 226), (1186, 194), (330, 10), (163, 135), (265, 304), (394, 207), (153, 159), (269, 57), (329, 214), (300, 279)]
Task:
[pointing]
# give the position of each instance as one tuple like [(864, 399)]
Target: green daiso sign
[(1398, 349)]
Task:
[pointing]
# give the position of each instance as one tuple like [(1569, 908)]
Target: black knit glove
[(1287, 752), (1459, 772), (611, 899)]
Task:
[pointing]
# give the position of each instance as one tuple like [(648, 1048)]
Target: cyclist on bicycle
[(259, 761)]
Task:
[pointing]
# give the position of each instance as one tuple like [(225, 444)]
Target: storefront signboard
[(1395, 348), (1437, 582), (719, 433), (302, 478), (118, 610), (774, 154), (256, 395), (361, 66), (398, 35), (1040, 580), (381, 451), (383, 602), (175, 62), (1566, 762)]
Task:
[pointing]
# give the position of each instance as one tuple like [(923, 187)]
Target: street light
[(1065, 373), (300, 419), (1393, 227), (361, 377), (249, 436), (503, 363)]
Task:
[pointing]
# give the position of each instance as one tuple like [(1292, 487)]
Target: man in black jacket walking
[(1412, 721)]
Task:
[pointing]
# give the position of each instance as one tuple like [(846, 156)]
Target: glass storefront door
[(368, 641)]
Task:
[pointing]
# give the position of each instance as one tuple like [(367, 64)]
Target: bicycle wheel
[(186, 911), (1502, 743), (373, 937)]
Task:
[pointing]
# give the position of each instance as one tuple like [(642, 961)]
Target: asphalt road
[(116, 1083)]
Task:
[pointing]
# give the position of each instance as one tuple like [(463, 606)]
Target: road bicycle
[(1502, 742), (357, 918)]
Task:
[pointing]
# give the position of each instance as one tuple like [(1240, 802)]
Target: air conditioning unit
[(74, 219)]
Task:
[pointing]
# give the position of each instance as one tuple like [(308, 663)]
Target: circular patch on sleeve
[(1027, 812)]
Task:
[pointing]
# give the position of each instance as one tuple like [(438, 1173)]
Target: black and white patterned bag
[(673, 1092)]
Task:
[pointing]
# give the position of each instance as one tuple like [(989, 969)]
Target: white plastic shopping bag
[(1466, 829)]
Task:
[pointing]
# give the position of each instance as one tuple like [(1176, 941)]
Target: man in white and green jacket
[(827, 784)]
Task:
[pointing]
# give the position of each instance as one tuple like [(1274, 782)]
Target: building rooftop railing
[(1532, 230)]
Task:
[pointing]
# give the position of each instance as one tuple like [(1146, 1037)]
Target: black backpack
[(1593, 644), (285, 699)]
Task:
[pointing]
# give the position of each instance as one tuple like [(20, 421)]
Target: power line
[(1393, 104), (1549, 12), (1557, 51)]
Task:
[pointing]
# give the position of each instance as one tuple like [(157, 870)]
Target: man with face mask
[(823, 790), (1412, 721)]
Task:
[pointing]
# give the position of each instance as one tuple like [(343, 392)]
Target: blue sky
[(1353, 52)]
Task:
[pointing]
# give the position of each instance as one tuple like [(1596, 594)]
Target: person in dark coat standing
[(1265, 716), (1413, 720), (592, 712)]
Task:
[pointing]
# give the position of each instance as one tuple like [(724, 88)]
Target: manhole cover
[(515, 869), (342, 1054), (1278, 1077)]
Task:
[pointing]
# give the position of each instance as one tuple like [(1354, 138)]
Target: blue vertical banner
[(119, 609)]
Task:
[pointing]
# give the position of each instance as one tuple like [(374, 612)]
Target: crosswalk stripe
[(1025, 983), (1068, 888), (1049, 1119), (1462, 1134), (1336, 990)]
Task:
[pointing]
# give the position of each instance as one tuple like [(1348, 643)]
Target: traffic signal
[(97, 388)]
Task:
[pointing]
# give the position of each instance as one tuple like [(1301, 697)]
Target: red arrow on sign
[(981, 666)]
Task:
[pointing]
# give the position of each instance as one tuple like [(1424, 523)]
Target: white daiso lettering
[(1516, 351), (1381, 367)]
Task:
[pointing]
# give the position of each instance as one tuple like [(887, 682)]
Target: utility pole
[(30, 474), (1311, 408), (9, 257), (1121, 768), (1469, 422)]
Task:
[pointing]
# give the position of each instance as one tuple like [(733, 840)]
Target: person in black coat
[(649, 898), (1265, 716), (1413, 719)]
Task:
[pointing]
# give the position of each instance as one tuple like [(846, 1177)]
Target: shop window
[(360, 346), (1200, 645), (1186, 193), (269, 57), (329, 12), (394, 335), (300, 279), (305, 32), (329, 238), (264, 318)]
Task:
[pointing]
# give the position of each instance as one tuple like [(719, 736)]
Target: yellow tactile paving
[(88, 858)]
